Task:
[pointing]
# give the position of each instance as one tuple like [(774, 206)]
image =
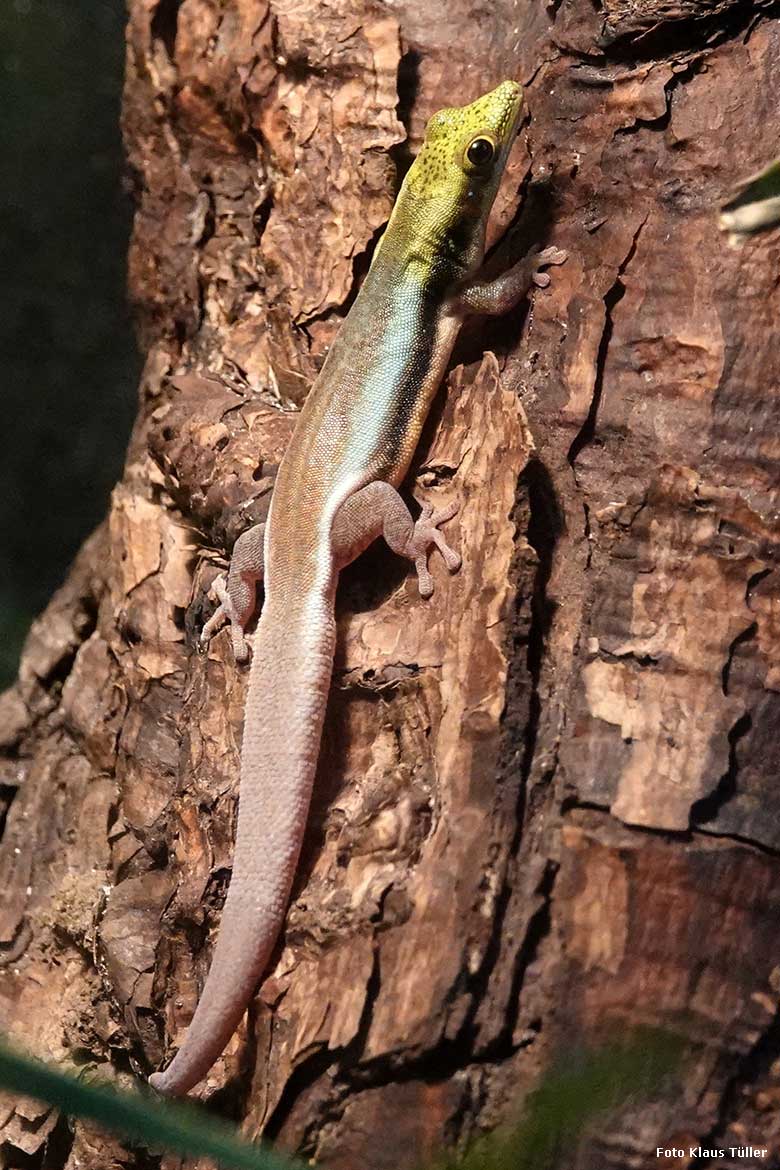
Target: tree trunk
[(547, 799)]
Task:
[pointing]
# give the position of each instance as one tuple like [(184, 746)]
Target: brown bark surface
[(547, 799)]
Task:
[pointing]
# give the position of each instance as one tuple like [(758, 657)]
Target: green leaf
[(588, 1083), (755, 204), (568, 1098), (142, 1117)]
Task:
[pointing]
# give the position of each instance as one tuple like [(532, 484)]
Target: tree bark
[(547, 800)]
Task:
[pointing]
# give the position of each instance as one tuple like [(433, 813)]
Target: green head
[(448, 192)]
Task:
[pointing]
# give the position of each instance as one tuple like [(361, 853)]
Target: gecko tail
[(285, 707)]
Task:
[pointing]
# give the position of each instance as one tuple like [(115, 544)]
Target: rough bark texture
[(548, 798)]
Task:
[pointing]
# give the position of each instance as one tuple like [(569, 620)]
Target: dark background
[(68, 361)]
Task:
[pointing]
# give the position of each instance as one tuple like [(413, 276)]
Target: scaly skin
[(336, 491)]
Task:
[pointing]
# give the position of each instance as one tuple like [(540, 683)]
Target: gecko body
[(336, 491)]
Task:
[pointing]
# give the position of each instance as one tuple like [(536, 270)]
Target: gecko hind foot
[(426, 533), (226, 612), (236, 593)]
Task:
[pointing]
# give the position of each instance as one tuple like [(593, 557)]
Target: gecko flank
[(336, 491)]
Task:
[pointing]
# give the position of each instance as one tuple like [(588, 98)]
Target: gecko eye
[(480, 152)]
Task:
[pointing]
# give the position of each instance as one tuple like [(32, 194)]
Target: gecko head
[(455, 177)]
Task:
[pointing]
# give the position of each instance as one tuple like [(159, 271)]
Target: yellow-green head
[(443, 206)]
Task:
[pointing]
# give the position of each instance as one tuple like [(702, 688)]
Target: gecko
[(336, 491)]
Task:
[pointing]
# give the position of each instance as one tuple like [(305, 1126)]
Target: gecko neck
[(434, 242)]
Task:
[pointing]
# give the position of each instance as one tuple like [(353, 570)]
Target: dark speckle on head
[(444, 161), (448, 191)]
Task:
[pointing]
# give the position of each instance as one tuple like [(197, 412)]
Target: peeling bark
[(547, 800)]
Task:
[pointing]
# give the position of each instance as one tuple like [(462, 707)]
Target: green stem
[(141, 1117)]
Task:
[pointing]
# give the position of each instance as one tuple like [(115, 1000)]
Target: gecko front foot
[(543, 259), (426, 533)]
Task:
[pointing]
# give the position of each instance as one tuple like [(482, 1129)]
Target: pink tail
[(288, 690)]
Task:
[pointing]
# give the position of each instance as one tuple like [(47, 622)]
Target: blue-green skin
[(363, 417)]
